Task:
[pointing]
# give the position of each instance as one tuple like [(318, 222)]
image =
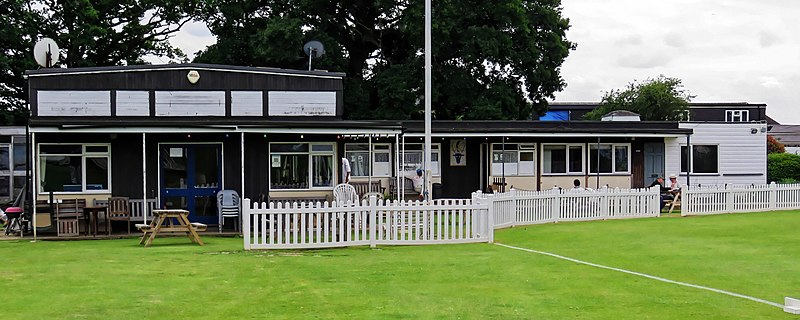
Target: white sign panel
[(247, 103), (190, 103), (73, 103), (133, 103), (302, 103)]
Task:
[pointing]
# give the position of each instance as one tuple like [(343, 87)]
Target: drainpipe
[(689, 152)]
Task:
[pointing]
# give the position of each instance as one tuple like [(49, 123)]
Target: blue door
[(191, 176)]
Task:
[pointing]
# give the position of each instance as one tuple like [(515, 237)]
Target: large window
[(513, 159), (74, 168), (358, 155), (413, 158), (705, 159), (294, 165), (737, 115), (12, 167), (562, 158), (609, 158)]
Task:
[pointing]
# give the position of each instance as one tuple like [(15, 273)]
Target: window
[(74, 168), (358, 155), (562, 158), (737, 115), (294, 165), (609, 158), (705, 159), (513, 159), (413, 158)]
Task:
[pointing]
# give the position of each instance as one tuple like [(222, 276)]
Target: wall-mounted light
[(753, 130)]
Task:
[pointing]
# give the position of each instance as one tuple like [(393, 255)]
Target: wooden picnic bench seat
[(364, 187), (199, 226)]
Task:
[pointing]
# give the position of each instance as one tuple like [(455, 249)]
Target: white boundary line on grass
[(646, 275)]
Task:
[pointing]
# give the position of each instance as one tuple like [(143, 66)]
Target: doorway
[(653, 161), (191, 176)]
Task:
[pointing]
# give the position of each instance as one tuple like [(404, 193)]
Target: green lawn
[(755, 254)]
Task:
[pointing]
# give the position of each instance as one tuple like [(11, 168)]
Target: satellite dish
[(46, 52), (313, 49)]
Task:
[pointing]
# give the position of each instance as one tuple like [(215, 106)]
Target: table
[(165, 216), (93, 213)]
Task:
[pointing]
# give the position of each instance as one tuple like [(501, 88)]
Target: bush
[(783, 166)]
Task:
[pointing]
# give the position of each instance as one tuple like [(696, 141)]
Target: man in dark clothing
[(665, 194)]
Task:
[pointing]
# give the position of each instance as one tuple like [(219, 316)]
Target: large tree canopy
[(659, 99), (496, 59), (89, 33)]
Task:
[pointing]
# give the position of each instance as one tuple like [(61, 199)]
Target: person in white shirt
[(345, 170), (674, 185), (417, 180)]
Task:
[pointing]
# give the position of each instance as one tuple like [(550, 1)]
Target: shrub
[(774, 146), (781, 166)]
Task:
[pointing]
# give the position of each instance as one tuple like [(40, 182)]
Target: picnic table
[(164, 221)]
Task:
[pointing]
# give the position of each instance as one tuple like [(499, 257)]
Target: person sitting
[(664, 191), (417, 181), (576, 184), (674, 185)]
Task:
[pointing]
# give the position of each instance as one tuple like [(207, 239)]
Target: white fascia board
[(550, 135)]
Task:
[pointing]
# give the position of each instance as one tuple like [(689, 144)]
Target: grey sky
[(723, 50)]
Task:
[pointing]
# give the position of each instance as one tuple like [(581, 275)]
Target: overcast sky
[(723, 50)]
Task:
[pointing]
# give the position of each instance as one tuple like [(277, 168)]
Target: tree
[(17, 37), (774, 146), (89, 33), (783, 167), (495, 59), (659, 99)]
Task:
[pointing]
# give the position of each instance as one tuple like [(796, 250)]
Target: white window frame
[(567, 147), (691, 164), (310, 158), (613, 158), (737, 115), (514, 168), (84, 154), (377, 148), (418, 148)]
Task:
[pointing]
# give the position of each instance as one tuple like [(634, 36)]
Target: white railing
[(532, 207), (702, 200), (373, 222)]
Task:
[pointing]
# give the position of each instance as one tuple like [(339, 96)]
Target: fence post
[(773, 196), (246, 212), (604, 204), (728, 199), (373, 220), (555, 206), (490, 217), (513, 207)]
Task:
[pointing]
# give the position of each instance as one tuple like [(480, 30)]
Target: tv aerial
[(313, 49), (46, 52)]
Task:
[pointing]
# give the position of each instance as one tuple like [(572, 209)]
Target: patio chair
[(345, 194), (228, 206), (675, 202), (119, 209)]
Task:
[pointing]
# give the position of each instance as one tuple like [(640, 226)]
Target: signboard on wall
[(458, 152), (302, 103)]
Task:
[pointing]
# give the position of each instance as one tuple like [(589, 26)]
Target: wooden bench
[(299, 199), (364, 187), (408, 190), (69, 213)]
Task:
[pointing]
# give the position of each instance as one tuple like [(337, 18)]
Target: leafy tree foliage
[(89, 33), (774, 146), (496, 59), (659, 99)]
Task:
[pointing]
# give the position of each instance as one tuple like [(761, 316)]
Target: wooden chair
[(69, 213), (119, 209), (675, 202)]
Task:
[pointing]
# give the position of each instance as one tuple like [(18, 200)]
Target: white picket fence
[(703, 200), (518, 207), (371, 222)]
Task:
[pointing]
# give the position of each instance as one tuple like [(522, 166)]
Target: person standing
[(345, 170)]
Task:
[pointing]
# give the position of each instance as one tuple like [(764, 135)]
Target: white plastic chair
[(228, 206), (345, 194)]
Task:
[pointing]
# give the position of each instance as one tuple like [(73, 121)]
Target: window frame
[(310, 158), (691, 165), (436, 148), (742, 115), (375, 150), (566, 172), (84, 155), (613, 158)]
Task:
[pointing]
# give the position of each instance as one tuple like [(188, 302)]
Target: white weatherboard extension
[(791, 305)]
